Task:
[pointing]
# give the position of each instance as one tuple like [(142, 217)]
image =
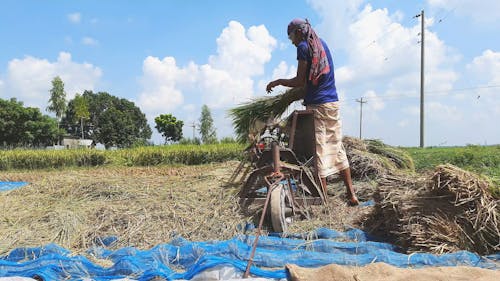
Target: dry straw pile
[(448, 211), (372, 159)]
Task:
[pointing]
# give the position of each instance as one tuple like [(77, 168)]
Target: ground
[(142, 206), (146, 206)]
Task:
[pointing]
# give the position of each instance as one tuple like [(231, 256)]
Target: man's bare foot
[(353, 201)]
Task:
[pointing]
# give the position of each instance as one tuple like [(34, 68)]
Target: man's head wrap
[(319, 60)]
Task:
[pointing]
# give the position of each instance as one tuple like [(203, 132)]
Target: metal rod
[(276, 156), (261, 222)]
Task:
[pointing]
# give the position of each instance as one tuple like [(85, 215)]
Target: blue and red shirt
[(325, 91)]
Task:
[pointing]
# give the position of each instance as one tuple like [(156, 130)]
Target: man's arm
[(298, 81)]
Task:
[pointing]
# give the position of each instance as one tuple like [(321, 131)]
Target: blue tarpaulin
[(183, 259), (9, 185)]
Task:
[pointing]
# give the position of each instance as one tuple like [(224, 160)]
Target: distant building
[(73, 143)]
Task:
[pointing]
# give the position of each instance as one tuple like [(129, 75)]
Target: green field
[(25, 159), (483, 160), (480, 159)]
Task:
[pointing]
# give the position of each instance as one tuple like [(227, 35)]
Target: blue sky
[(175, 56)]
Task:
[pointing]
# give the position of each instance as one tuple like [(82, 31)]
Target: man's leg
[(351, 194)]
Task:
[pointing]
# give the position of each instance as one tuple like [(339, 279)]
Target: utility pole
[(81, 123), (422, 48), (360, 114), (193, 125)]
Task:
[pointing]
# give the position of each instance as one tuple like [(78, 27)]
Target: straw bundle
[(449, 211), (401, 159), (479, 211), (262, 110), (372, 159), (395, 197), (351, 143), (365, 165)]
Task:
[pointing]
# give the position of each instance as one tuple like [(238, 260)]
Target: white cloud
[(383, 60), (486, 67), (336, 16), (373, 102), (74, 17), (89, 41), (189, 107), (29, 79), (240, 53), (411, 110), (283, 70), (225, 80), (403, 123), (159, 84), (381, 51), (485, 12), (438, 112)]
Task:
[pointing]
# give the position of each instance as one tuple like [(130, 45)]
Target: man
[(315, 72)]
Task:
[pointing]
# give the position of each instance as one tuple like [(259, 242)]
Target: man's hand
[(271, 85)]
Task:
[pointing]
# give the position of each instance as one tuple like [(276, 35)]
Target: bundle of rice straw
[(372, 159), (395, 196), (478, 218), (400, 158), (450, 211), (262, 110), (366, 166)]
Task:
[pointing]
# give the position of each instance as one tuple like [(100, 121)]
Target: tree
[(169, 127), (57, 101), (81, 110), (26, 126), (207, 130), (112, 121)]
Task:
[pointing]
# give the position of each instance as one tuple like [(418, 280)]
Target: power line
[(389, 31), (395, 26), (466, 89), (413, 94), (441, 19)]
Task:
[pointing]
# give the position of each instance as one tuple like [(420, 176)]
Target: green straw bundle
[(262, 109)]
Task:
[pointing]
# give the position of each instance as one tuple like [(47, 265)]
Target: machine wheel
[(278, 208)]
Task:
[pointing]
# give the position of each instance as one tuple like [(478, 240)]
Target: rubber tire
[(278, 207)]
